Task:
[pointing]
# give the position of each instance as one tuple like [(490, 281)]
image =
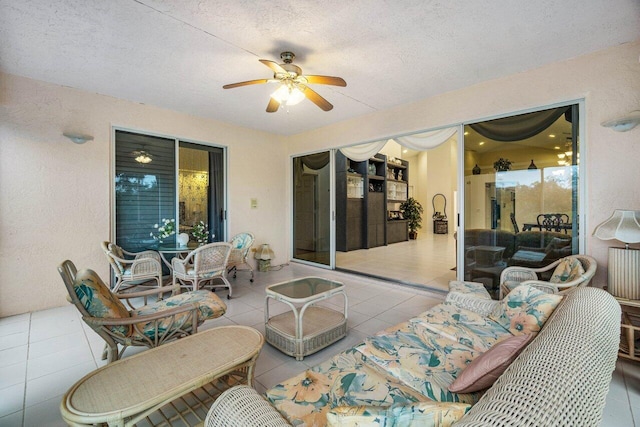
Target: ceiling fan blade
[(317, 99), (249, 82), (274, 66), (273, 106), (326, 80)]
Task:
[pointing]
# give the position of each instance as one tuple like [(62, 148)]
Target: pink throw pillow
[(485, 369)]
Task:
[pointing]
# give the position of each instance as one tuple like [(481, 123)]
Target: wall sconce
[(625, 123), (624, 263), (264, 255), (78, 138)]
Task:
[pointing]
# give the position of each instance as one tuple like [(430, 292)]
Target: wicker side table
[(170, 385), (307, 329), (629, 329)]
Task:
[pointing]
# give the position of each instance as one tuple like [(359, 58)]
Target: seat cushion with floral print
[(463, 326), (569, 269), (208, 303), (191, 272), (347, 379), (469, 288), (99, 301), (429, 363), (421, 414), (525, 310)]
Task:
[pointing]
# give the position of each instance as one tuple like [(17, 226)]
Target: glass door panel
[(201, 192), (521, 193), (312, 208)]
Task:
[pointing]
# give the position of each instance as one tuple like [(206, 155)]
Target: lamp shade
[(264, 253), (623, 225)]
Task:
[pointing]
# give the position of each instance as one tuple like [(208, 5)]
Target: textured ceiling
[(178, 54)]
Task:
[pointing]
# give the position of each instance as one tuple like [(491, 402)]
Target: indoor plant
[(412, 210), (502, 165)]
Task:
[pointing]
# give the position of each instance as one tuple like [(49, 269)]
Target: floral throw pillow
[(525, 310), (568, 270)]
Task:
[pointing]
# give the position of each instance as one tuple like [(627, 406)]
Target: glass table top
[(305, 287)]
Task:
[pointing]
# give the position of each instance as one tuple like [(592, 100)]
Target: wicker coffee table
[(307, 328), (171, 385)]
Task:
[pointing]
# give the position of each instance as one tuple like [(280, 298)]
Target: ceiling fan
[(293, 85)]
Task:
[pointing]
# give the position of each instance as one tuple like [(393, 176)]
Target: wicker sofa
[(561, 378)]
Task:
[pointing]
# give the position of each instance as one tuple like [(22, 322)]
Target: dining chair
[(203, 265), (150, 325), (240, 245), (132, 268)]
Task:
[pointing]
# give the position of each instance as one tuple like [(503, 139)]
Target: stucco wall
[(54, 194), (608, 81)]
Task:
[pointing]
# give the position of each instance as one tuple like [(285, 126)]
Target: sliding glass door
[(312, 208), (157, 179), (521, 192)]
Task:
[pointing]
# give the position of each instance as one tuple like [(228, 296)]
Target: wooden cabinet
[(366, 194)]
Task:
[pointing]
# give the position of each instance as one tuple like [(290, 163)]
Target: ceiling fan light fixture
[(143, 157), (288, 95)]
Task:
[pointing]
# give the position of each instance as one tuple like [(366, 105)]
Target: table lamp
[(624, 263), (264, 255)]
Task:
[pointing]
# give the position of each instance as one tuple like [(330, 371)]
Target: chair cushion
[(117, 251), (209, 307), (471, 288), (457, 324), (525, 310), (343, 380), (420, 414), (485, 369), (568, 270), (428, 364), (99, 301)]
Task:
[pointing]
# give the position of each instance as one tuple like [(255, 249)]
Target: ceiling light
[(78, 138), (404, 151), (481, 143), (288, 95), (551, 135), (625, 123), (466, 133), (143, 157), (556, 148), (561, 156)]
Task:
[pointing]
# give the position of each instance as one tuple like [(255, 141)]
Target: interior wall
[(608, 81), (55, 195)]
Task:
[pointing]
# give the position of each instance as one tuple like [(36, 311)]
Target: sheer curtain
[(418, 141)]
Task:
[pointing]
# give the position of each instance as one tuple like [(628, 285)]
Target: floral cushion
[(346, 379), (525, 310), (98, 300), (422, 414), (569, 269), (429, 364), (209, 307), (457, 324), (469, 288)]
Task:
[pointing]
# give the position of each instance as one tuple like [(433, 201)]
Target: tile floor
[(427, 261), (43, 353)]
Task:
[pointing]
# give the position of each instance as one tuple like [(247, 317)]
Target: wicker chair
[(149, 326), (132, 268), (203, 264), (240, 245), (515, 275)]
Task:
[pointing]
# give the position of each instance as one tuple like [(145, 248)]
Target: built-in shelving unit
[(368, 197)]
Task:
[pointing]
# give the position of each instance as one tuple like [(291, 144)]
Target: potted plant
[(412, 210), (502, 165)]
